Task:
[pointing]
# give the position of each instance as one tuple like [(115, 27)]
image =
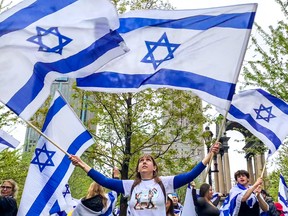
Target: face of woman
[(6, 189), (146, 165), (210, 193)]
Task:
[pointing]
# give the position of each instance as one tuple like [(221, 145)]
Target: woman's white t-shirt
[(147, 198)]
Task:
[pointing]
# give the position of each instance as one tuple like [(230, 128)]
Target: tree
[(270, 71), (270, 68), (14, 165)]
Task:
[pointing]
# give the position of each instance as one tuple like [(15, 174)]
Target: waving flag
[(7, 140), (43, 40), (50, 168), (199, 50), (283, 195), (262, 114), (189, 207)]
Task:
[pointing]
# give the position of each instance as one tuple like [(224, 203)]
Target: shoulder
[(8, 202), (168, 183), (127, 185), (201, 201), (166, 179)]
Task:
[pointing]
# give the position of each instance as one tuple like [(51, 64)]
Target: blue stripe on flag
[(58, 104), (110, 209), (31, 14), (168, 77), (281, 105), (258, 127), (54, 181), (281, 198), (200, 22), (4, 142), (283, 181), (24, 96)]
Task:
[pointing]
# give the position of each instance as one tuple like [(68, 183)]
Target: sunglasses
[(6, 187)]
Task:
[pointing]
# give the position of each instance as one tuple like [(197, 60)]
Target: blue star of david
[(67, 191), (152, 46), (50, 35), (43, 157), (266, 113)]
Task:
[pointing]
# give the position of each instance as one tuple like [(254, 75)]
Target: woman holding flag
[(148, 186)]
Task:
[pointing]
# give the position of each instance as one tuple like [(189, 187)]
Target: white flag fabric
[(182, 49), (50, 168), (189, 207), (232, 203), (43, 40), (6, 140), (262, 114), (71, 203), (283, 195)]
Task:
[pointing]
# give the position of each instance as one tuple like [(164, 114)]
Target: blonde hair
[(96, 189), (14, 187)]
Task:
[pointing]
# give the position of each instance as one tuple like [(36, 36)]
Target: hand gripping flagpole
[(46, 137)]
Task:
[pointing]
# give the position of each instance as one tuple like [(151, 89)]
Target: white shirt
[(147, 198)]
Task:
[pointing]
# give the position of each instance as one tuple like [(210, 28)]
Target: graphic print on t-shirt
[(145, 199)]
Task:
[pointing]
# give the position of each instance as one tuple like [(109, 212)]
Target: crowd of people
[(154, 195)]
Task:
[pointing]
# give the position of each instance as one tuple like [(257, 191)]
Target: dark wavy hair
[(170, 210), (204, 189), (241, 173)]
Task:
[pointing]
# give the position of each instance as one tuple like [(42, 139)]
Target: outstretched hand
[(76, 161), (215, 147), (213, 150), (116, 173)]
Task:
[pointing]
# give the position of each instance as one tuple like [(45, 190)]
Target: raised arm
[(251, 189), (110, 183), (262, 203), (185, 178)]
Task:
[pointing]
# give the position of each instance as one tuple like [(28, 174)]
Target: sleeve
[(185, 178), (110, 183), (217, 200), (194, 195), (168, 183)]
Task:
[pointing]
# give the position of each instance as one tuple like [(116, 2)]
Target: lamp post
[(208, 135)]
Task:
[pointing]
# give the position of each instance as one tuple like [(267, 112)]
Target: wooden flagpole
[(46, 137)]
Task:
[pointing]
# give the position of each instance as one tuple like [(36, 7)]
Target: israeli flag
[(71, 203), (50, 168), (283, 194), (232, 203), (200, 50), (189, 207), (43, 40), (262, 114), (6, 140)]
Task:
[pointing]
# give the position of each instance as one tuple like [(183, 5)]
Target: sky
[(268, 13)]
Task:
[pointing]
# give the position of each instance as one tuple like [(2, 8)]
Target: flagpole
[(46, 137), (217, 140), (264, 166)]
